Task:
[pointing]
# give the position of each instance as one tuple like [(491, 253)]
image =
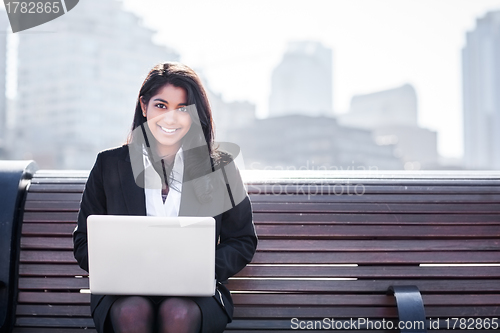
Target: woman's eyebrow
[(164, 101)]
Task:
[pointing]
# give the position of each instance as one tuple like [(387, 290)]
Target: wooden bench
[(330, 246)]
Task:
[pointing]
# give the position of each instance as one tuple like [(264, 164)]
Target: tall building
[(481, 97), (397, 106), (302, 82), (4, 28), (229, 116), (299, 142), (78, 80), (391, 116)]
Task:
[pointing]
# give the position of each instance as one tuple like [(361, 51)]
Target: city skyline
[(481, 72), (77, 78), (377, 45), (438, 110)]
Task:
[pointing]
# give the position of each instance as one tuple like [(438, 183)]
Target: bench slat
[(306, 218), (51, 206), (51, 188), (53, 297), (52, 330), (369, 272), (274, 285), (60, 179), (314, 331), (379, 231), (450, 257), (47, 229), (357, 312), (280, 245), (47, 243), (348, 207), (346, 188), (269, 325), (297, 218), (53, 310), (283, 299), (54, 322), (53, 283), (344, 331), (361, 286), (371, 258), (65, 217), (298, 311), (321, 245), (314, 207), (61, 270), (40, 196), (55, 198), (51, 270), (385, 218), (60, 257), (462, 311), (360, 300), (396, 198), (407, 179), (313, 312), (318, 231)]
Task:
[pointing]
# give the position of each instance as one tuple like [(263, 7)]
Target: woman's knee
[(180, 313), (134, 311)]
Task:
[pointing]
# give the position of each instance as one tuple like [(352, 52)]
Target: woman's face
[(168, 118)]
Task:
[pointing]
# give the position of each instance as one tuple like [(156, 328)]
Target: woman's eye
[(183, 109), (161, 106)]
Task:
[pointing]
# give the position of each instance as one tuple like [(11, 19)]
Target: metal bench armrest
[(410, 308)]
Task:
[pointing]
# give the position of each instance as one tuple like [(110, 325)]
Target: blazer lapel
[(190, 206), (134, 197)]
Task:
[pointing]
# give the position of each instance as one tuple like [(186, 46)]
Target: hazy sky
[(377, 44)]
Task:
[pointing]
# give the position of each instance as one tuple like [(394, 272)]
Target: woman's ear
[(143, 106)]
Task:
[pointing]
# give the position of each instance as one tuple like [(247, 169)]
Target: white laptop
[(150, 255)]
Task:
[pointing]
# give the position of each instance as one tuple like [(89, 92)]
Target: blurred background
[(328, 85)]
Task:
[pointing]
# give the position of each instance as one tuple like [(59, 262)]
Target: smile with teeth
[(168, 130)]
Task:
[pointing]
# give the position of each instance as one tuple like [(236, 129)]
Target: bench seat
[(330, 246)]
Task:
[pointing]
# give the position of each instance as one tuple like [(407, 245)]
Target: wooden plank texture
[(379, 218), (351, 207), (404, 272), (379, 231), (53, 298), (51, 270), (307, 227), (375, 245), (364, 286), (318, 245), (370, 258), (52, 330)]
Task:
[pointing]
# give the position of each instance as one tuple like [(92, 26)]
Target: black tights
[(137, 314)]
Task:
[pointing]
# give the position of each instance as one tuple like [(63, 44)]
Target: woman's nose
[(170, 116)]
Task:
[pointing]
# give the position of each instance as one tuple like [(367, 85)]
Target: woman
[(170, 167)]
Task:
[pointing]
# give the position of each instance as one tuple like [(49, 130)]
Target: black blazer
[(111, 189)]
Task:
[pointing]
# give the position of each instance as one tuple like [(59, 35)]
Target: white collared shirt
[(152, 188)]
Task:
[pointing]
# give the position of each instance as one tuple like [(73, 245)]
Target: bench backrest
[(330, 245)]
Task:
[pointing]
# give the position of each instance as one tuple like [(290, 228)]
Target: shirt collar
[(179, 156)]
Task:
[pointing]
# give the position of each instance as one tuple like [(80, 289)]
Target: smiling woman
[(168, 118), (171, 146)]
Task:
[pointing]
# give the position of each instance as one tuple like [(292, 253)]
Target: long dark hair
[(182, 76)]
